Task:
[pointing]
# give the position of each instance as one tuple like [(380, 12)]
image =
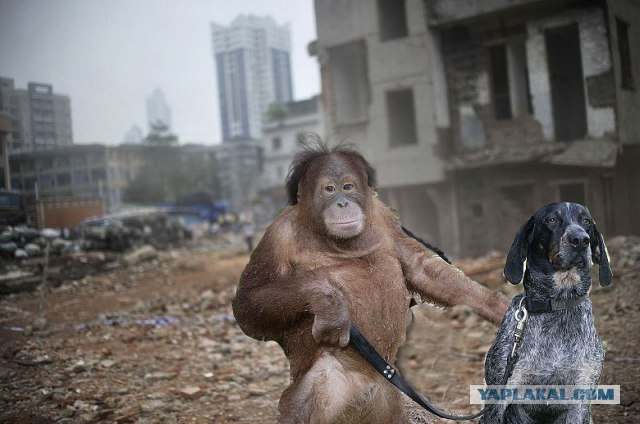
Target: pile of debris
[(115, 233), (93, 247), (125, 231), (624, 253), (24, 242)]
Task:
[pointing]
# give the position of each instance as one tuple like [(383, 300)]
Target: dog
[(551, 255)]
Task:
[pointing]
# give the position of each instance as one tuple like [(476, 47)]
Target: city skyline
[(108, 59)]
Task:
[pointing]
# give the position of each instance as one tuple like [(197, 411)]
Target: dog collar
[(551, 305)]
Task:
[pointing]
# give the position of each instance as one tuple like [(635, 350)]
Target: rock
[(77, 367), (20, 254), (107, 363), (40, 323), (257, 392), (142, 254), (32, 249), (156, 376), (191, 392), (50, 233)]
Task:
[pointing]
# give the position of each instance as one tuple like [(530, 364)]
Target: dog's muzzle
[(577, 237)]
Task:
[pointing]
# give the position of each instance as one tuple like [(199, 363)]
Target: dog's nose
[(578, 238)]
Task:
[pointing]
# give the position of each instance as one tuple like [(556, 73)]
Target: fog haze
[(109, 56)]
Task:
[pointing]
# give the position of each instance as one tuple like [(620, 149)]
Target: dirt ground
[(157, 343)]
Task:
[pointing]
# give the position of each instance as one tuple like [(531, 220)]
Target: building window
[(98, 175), (477, 210), (79, 178), (63, 179), (626, 70), (78, 161), (566, 80), (510, 80), (572, 192), (276, 143), (402, 117), (350, 82), (46, 181), (500, 82), (392, 18)]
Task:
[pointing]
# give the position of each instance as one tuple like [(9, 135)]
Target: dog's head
[(560, 237)]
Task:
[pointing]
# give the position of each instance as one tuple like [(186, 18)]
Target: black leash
[(362, 346), (368, 352)]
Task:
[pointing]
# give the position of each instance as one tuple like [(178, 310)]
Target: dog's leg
[(494, 414), (579, 414)]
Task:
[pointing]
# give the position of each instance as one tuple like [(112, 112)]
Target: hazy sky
[(109, 55)]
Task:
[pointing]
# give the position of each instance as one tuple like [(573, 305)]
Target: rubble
[(141, 254), (164, 347)]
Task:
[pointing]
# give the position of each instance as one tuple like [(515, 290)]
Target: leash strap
[(552, 305), (368, 352)]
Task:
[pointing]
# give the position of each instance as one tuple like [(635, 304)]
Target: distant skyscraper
[(133, 136), (157, 110), (254, 70)]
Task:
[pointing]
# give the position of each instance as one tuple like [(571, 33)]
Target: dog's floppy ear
[(600, 255), (517, 257)]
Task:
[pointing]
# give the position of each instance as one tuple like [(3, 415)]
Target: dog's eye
[(551, 220), (586, 221)]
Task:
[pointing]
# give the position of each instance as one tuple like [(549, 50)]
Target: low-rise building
[(280, 141), (76, 172)]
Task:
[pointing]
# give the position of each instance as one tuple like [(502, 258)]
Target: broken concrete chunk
[(142, 254)]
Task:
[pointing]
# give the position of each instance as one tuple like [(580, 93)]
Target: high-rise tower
[(254, 70), (158, 111)]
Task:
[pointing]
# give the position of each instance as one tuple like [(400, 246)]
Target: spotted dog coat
[(551, 254)]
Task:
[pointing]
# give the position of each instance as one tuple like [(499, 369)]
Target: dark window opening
[(63, 179), (573, 192), (402, 117), (276, 143), (477, 211), (500, 82), (392, 17), (567, 82), (519, 79), (350, 83), (626, 71)]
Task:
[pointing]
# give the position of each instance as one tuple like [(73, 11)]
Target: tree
[(160, 135), (276, 111)]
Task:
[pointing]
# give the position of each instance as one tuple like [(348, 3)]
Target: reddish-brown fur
[(299, 281)]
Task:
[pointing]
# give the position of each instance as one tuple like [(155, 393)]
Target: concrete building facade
[(237, 167), (76, 172), (40, 119), (252, 57), (377, 92), (515, 104)]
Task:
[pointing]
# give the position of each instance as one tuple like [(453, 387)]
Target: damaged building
[(489, 109)]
